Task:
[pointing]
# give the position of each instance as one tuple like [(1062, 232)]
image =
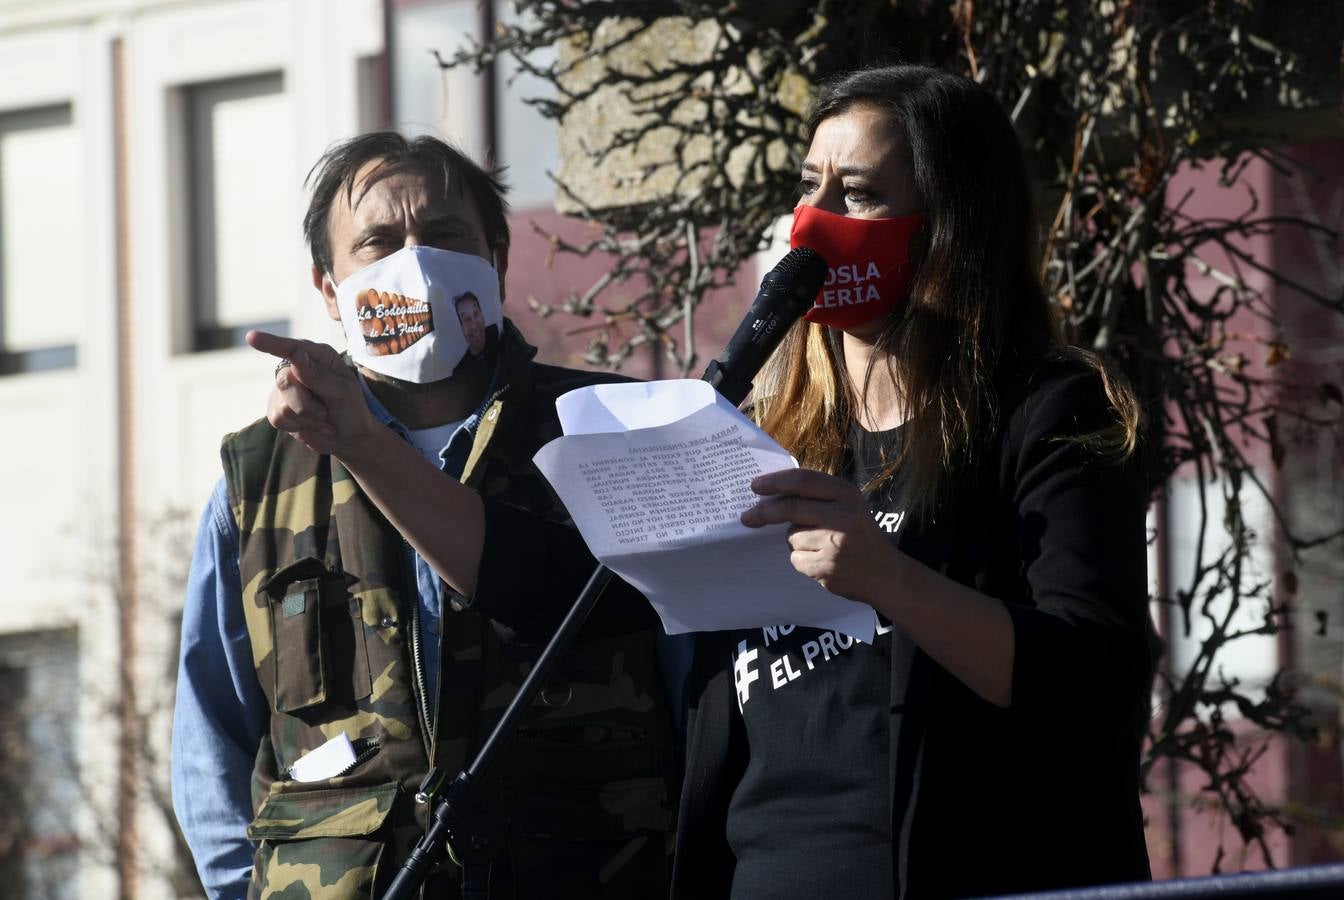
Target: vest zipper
[(418, 660), (429, 726), (371, 745)]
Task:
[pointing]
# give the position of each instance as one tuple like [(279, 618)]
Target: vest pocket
[(319, 635), (296, 622), (320, 843), (615, 811), (602, 841)]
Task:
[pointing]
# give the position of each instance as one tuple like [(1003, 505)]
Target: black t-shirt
[(812, 809), (984, 800)]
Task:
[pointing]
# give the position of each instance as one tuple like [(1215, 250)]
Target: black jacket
[(985, 800)]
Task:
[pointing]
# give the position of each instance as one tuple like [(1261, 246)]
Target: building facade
[(152, 158)]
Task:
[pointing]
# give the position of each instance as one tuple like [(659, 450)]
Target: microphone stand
[(459, 825)]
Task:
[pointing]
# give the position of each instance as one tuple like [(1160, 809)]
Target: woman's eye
[(858, 196)]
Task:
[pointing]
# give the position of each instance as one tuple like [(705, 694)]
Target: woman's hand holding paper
[(834, 539)]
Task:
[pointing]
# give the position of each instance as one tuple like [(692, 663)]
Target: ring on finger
[(282, 364)]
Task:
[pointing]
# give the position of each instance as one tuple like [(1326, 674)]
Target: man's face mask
[(869, 259), (416, 314)]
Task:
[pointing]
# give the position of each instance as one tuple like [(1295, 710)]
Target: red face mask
[(869, 259)]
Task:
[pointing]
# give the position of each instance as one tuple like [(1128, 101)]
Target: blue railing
[(1305, 883)]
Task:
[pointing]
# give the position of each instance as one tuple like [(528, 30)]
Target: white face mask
[(416, 314)]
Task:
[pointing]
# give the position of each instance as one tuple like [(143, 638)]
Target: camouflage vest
[(585, 789)]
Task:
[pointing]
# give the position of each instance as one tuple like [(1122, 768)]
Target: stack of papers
[(655, 475)]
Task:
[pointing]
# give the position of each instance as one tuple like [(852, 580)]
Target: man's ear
[(502, 267), (327, 288)]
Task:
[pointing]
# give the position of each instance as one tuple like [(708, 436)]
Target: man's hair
[(466, 295), (337, 168)]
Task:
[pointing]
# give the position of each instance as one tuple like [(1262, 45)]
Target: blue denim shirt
[(218, 722)]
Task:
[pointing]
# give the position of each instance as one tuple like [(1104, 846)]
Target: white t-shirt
[(431, 442)]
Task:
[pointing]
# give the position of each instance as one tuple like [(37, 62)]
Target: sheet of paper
[(655, 476), (327, 761)]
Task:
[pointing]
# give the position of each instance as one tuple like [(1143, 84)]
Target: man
[(309, 620), (473, 324)]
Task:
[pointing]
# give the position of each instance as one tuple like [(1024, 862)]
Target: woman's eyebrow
[(843, 171), (861, 171)]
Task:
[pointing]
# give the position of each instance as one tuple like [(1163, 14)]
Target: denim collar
[(467, 428)]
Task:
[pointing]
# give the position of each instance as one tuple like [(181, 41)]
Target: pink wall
[(535, 271), (1305, 780), (1311, 483)]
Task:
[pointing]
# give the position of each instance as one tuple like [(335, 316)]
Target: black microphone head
[(801, 272), (787, 292)]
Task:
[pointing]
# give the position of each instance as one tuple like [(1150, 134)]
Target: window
[(41, 260), (1252, 659), (453, 103), (529, 143), (241, 177), (39, 780), (446, 103), (371, 92)]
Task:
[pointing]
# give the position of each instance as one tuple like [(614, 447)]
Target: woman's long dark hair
[(976, 298)]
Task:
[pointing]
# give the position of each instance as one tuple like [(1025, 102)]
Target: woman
[(975, 482)]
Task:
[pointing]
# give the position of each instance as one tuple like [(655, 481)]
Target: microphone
[(787, 291)]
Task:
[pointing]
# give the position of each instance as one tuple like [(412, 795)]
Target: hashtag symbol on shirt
[(742, 675)]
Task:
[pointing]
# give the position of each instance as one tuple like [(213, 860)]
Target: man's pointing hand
[(317, 397)]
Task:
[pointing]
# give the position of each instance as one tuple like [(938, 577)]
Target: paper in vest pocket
[(655, 475), (327, 761)]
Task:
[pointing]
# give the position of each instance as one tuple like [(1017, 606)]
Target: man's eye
[(806, 186), (458, 243)]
